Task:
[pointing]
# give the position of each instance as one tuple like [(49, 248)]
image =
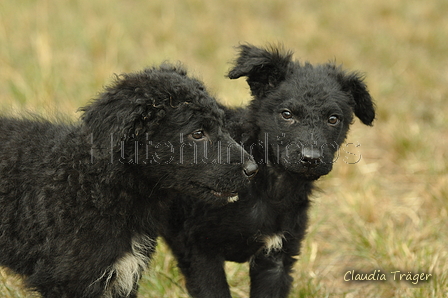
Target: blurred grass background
[(388, 212)]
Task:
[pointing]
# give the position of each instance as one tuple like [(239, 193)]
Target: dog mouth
[(305, 172), (314, 173), (230, 196)]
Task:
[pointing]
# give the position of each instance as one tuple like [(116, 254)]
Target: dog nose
[(250, 168), (311, 157)]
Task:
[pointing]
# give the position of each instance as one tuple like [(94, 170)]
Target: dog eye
[(333, 120), (286, 115), (197, 135)]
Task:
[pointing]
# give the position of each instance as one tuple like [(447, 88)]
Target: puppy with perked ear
[(299, 116)]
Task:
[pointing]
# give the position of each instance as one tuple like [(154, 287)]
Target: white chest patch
[(126, 271), (273, 242)]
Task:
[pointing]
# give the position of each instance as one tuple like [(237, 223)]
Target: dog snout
[(250, 168), (311, 156)]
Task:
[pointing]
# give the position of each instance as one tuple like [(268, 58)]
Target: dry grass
[(388, 212)]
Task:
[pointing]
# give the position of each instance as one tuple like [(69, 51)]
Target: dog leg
[(205, 276), (270, 275)]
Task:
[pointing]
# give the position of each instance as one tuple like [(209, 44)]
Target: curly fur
[(299, 116), (81, 202)]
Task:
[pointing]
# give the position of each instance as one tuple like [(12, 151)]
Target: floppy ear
[(264, 68), (120, 113), (353, 83)]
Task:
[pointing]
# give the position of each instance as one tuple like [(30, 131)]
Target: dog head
[(164, 125), (302, 112)]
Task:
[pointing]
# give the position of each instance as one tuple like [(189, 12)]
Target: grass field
[(387, 212)]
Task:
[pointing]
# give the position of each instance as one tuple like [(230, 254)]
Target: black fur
[(298, 118), (80, 202)]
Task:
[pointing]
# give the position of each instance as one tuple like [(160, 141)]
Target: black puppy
[(299, 117), (80, 202)]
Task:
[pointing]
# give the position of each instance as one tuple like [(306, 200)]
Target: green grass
[(388, 212)]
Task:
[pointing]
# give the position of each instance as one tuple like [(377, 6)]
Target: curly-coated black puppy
[(299, 117), (80, 202)]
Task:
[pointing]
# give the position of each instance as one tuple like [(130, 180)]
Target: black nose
[(250, 168), (311, 157)]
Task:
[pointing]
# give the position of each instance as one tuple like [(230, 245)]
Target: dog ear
[(264, 68), (120, 113), (353, 83)]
